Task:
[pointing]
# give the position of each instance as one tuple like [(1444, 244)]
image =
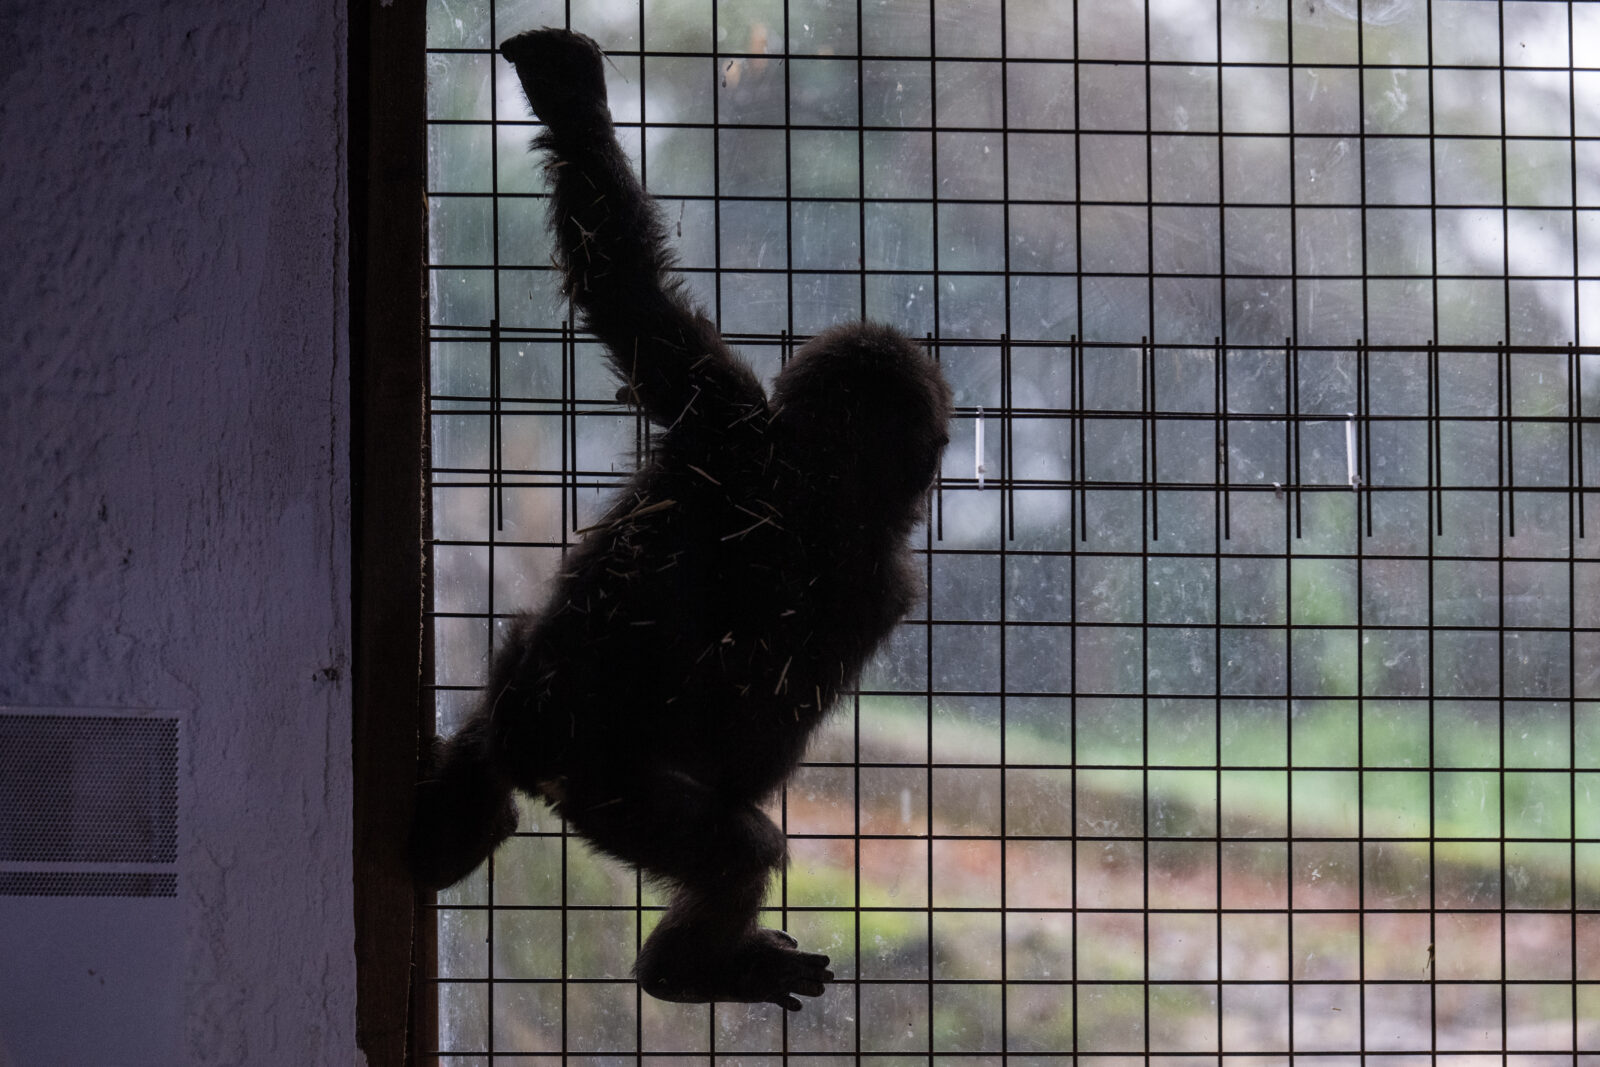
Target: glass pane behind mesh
[(1254, 707)]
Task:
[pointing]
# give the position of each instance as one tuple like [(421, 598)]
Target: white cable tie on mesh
[(978, 468), (1350, 449)]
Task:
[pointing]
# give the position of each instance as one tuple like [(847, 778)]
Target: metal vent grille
[(86, 789), (86, 884)]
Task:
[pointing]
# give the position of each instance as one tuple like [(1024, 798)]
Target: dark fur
[(700, 632)]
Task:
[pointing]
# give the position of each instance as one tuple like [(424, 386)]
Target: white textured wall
[(173, 460)]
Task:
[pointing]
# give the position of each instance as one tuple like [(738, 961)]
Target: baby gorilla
[(703, 628)]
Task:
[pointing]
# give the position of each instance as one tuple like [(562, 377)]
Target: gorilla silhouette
[(702, 630)]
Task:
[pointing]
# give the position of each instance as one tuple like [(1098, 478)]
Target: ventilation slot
[(84, 798)]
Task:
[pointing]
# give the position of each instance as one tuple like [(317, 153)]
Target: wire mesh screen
[(1254, 707)]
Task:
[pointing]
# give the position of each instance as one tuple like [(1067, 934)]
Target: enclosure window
[(1254, 707)]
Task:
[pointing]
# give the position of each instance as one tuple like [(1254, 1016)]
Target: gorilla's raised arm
[(611, 243)]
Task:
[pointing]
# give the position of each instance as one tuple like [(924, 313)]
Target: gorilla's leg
[(719, 856), (464, 808)]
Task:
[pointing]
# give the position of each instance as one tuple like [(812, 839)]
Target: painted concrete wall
[(173, 461)]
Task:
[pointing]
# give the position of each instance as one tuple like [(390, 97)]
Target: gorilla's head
[(871, 413)]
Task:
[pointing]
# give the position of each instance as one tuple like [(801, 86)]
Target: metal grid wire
[(1254, 709)]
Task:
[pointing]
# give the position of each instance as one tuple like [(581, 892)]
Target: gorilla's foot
[(764, 967)]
